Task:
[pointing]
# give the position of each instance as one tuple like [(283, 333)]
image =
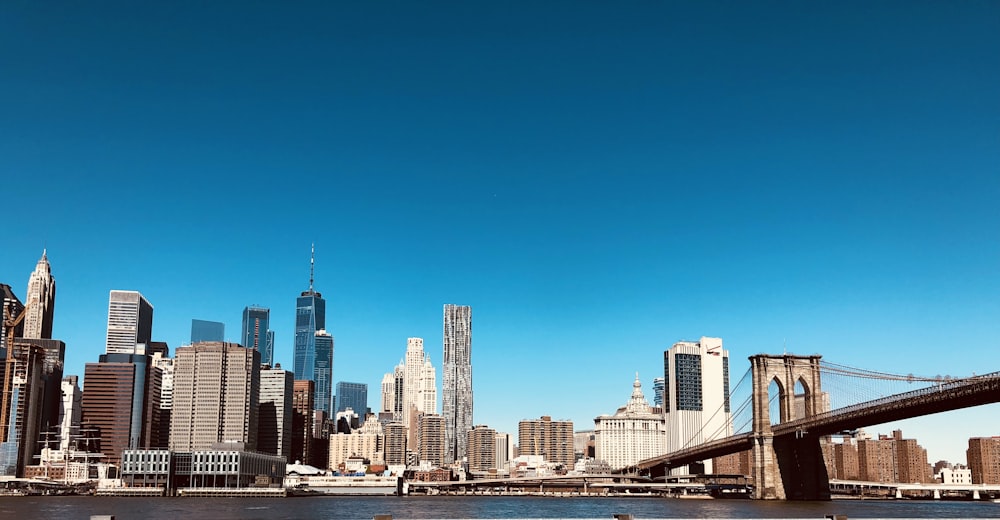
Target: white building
[(366, 442), (40, 299), (961, 476), (130, 321), (69, 411), (632, 434), (419, 386), (696, 394)]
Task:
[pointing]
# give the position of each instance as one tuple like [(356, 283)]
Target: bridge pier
[(767, 480)]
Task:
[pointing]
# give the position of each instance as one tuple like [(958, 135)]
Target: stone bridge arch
[(789, 457)]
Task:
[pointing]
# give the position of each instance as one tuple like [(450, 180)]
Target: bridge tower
[(787, 467)]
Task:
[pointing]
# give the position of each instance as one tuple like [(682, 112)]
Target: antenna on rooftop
[(312, 264)]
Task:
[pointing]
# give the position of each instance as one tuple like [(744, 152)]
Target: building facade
[(70, 413), (323, 372), (632, 434), (482, 452), (395, 443), (392, 393), (12, 308), (367, 442), (130, 322), (41, 301), (303, 392), (696, 394), (419, 386), (257, 334), (204, 331), (216, 396), (20, 418), (553, 440), (274, 418), (121, 401), (353, 396), (431, 439), (456, 390), (983, 456)]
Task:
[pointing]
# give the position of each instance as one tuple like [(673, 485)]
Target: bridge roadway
[(945, 396), (977, 491), (585, 483)]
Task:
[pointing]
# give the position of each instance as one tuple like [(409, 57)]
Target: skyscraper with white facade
[(41, 300), (392, 392), (216, 396), (419, 386), (130, 322), (456, 390), (696, 394), (632, 434), (274, 421)]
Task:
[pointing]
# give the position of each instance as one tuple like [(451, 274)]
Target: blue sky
[(598, 181)]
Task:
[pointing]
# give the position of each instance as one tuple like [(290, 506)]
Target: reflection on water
[(475, 507)]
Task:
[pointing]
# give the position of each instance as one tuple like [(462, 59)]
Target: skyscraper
[(275, 421), (392, 392), (130, 322), (456, 392), (202, 330), (323, 372), (257, 333), (216, 392), (419, 387), (353, 396), (41, 301), (696, 394), (310, 317), (121, 397)]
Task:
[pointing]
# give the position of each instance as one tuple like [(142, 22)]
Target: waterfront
[(477, 507)]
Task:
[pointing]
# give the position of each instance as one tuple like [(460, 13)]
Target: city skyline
[(598, 182)]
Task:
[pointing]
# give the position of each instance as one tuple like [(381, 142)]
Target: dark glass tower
[(310, 317), (257, 333)]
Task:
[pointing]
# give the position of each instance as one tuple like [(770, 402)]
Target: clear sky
[(597, 180)]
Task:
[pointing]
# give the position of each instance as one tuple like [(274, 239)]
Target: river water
[(68, 508)]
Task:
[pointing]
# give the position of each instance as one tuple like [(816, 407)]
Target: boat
[(344, 485)]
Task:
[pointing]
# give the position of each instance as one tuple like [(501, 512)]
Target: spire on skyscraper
[(312, 265)]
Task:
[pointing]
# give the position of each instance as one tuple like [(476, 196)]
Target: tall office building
[(392, 392), (41, 301), (431, 439), (419, 386), (323, 372), (202, 331), (553, 440), (505, 450), (121, 399), (482, 449), (130, 322), (303, 404), (310, 327), (456, 392), (275, 417), (353, 396), (395, 443), (160, 360), (257, 333), (632, 434), (696, 394), (216, 393), (20, 416)]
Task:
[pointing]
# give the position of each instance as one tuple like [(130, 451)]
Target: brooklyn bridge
[(786, 453)]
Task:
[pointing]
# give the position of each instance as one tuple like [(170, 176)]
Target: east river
[(401, 508)]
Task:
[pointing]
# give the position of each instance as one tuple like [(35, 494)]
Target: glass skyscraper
[(202, 330), (312, 361), (257, 334), (353, 396)]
